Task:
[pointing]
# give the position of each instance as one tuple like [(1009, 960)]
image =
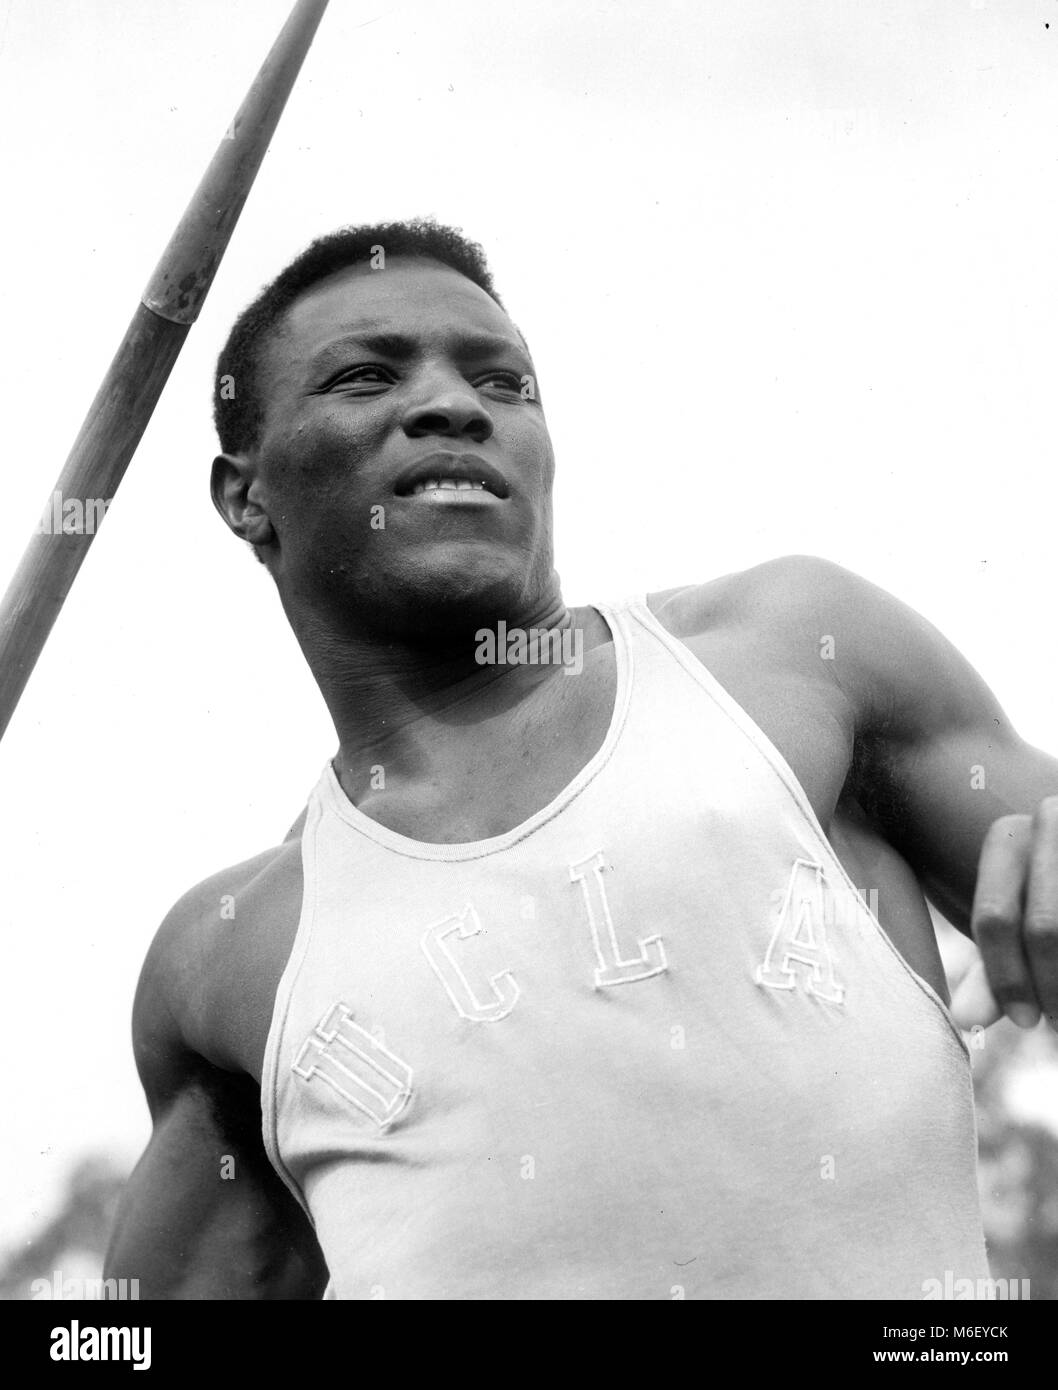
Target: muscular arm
[(204, 1215), (938, 761), (945, 777)]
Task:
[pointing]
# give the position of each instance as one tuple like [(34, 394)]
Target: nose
[(450, 409)]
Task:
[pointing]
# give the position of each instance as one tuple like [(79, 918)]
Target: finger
[(1040, 925), (973, 1005), (995, 921)]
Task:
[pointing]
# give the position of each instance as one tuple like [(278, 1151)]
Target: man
[(561, 987)]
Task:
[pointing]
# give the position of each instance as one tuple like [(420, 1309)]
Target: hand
[(1015, 924)]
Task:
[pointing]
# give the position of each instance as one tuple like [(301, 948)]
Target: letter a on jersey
[(798, 949)]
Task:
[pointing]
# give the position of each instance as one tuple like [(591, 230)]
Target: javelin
[(125, 401)]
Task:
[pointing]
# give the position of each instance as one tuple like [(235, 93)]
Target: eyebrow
[(401, 347)]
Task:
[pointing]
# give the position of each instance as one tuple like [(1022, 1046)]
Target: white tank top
[(649, 1044)]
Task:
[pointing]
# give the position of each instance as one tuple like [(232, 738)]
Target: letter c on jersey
[(439, 944)]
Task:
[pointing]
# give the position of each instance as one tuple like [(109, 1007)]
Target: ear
[(236, 492)]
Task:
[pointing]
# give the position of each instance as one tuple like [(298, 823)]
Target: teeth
[(447, 485)]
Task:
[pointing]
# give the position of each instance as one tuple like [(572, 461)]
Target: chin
[(441, 598)]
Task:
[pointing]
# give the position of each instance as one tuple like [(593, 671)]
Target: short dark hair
[(237, 407)]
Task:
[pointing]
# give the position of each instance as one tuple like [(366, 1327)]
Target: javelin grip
[(125, 401)]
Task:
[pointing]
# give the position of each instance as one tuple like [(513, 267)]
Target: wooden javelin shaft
[(126, 399)]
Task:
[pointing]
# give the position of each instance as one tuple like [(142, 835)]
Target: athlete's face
[(380, 384)]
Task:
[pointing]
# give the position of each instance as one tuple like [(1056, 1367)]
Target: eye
[(363, 381), (501, 380)]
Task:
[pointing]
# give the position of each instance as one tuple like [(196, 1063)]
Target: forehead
[(413, 296)]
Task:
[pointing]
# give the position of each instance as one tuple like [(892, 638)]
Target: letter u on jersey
[(350, 1061)]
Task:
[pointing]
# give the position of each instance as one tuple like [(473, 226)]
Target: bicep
[(204, 1215), (938, 760)]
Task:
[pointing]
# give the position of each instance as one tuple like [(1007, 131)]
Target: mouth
[(447, 477)]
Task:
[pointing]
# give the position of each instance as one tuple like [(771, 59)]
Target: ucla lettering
[(441, 946), (798, 950), (615, 967), (345, 1057)]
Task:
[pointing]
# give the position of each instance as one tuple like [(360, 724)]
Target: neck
[(394, 701)]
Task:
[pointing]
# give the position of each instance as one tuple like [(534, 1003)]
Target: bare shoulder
[(791, 589), (898, 673), (201, 1014), (215, 960)]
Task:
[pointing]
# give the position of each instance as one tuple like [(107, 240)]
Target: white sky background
[(788, 273)]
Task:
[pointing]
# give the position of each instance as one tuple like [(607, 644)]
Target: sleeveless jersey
[(649, 1044)]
